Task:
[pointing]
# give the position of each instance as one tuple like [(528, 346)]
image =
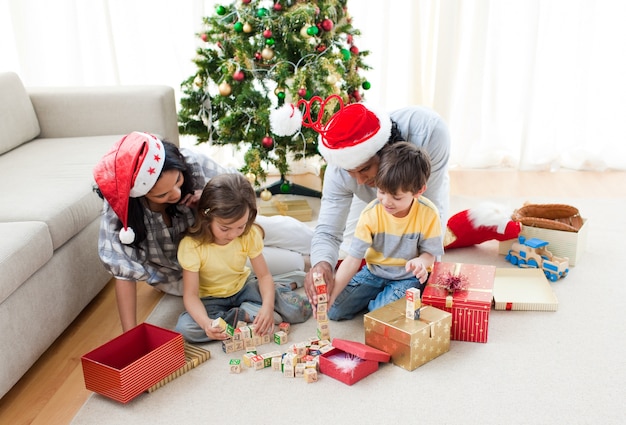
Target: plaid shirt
[(155, 262)]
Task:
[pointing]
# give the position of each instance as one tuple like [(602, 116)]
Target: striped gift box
[(133, 362), (470, 307)]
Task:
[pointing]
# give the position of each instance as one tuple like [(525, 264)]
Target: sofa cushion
[(18, 121), (25, 248), (51, 180)]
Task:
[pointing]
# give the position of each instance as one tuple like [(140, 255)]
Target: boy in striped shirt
[(399, 235)]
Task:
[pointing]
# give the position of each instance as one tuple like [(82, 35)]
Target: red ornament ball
[(278, 7), (238, 75), (257, 56), (267, 33), (354, 50), (268, 142), (327, 24), (204, 37), (302, 92), (246, 1)]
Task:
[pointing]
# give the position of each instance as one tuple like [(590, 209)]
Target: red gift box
[(133, 362), (470, 305), (351, 361)]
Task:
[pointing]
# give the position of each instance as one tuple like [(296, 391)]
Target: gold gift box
[(296, 208), (411, 343)]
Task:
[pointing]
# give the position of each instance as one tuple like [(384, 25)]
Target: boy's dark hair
[(174, 160), (227, 197), (403, 167)]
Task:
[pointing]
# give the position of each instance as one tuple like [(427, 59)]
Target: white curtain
[(530, 84)]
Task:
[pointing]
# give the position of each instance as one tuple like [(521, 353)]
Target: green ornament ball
[(220, 10), (312, 30), (346, 54), (270, 41), (261, 12), (285, 187), (281, 95), (366, 85), (238, 27)]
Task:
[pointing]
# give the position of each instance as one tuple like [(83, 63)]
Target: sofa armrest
[(105, 110)]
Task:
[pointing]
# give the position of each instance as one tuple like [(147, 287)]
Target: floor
[(53, 390)]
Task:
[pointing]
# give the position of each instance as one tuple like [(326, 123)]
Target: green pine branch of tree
[(255, 55)]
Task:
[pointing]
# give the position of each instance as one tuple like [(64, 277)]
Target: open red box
[(365, 360), (133, 362)]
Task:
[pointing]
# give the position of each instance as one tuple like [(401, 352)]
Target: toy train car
[(533, 253)]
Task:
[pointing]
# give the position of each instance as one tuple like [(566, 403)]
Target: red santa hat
[(129, 170), (353, 135), (482, 223)]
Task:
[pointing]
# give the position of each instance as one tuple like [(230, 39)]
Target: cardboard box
[(561, 243), (470, 307), (350, 361), (523, 289), (410, 342), (133, 362), (296, 208)]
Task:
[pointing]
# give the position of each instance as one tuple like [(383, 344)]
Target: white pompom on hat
[(285, 120), (129, 170), (353, 135)]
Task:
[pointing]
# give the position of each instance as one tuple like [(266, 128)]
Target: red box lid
[(361, 350)]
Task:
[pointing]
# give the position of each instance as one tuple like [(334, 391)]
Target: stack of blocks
[(243, 337), (301, 360), (413, 303), (323, 330)]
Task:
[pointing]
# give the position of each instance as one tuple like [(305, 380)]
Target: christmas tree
[(256, 55)]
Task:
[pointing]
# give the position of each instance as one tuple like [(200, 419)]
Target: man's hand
[(326, 270)]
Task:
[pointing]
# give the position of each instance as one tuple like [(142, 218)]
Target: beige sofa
[(50, 139)]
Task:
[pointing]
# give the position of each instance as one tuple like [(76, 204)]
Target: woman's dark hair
[(174, 160)]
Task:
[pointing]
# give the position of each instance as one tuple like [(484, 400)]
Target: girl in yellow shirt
[(217, 281)]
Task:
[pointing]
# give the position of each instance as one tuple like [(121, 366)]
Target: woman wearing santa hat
[(350, 143), (150, 188)]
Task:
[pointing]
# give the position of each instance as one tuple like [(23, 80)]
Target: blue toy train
[(533, 253)]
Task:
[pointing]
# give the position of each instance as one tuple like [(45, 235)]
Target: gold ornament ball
[(224, 88), (247, 28), (266, 195), (267, 53), (251, 177), (331, 79)]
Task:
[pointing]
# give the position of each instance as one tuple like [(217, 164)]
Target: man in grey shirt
[(350, 143)]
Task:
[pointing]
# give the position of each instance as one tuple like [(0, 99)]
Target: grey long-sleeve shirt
[(417, 124)]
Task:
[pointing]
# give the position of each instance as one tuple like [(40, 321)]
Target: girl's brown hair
[(227, 197)]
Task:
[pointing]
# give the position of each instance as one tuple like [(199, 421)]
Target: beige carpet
[(564, 367)]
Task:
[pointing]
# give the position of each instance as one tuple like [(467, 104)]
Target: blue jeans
[(366, 291), (292, 307)]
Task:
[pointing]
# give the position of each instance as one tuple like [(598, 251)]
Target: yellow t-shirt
[(222, 268)]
